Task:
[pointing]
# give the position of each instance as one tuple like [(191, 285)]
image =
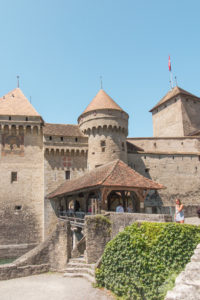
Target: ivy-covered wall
[(143, 261)]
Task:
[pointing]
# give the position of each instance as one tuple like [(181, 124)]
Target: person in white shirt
[(119, 208)]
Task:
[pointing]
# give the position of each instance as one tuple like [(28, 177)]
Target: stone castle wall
[(22, 194), (57, 160), (178, 172), (167, 144)]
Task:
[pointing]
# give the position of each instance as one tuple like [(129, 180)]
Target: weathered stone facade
[(22, 184), (37, 157)]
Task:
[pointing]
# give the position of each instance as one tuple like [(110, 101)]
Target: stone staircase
[(77, 267)]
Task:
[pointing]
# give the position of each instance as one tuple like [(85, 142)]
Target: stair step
[(80, 265), (80, 270), (77, 260), (83, 275)]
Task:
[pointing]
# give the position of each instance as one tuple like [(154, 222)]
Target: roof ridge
[(112, 169), (61, 124), (173, 93)]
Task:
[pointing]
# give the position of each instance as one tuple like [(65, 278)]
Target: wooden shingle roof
[(62, 130), (114, 174), (173, 93), (102, 101), (16, 104)]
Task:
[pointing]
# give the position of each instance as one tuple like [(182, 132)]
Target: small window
[(103, 143), (147, 170), (13, 176), (67, 175), (18, 207), (26, 118), (103, 149), (61, 138), (50, 138), (76, 139), (9, 118), (123, 147)]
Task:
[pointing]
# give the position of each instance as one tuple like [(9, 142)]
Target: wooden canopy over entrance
[(114, 176)]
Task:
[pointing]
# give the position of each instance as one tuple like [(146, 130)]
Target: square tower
[(176, 114)]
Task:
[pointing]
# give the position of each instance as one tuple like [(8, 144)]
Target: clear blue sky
[(60, 48)]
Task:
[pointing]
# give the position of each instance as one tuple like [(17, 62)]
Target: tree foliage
[(141, 262)]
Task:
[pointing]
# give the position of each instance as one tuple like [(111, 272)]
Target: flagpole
[(171, 75), (172, 84)]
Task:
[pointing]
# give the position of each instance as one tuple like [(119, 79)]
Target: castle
[(37, 157)]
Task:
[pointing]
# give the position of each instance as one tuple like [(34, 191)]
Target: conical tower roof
[(16, 104), (102, 101), (173, 93)]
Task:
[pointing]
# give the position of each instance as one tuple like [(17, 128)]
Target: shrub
[(142, 262)]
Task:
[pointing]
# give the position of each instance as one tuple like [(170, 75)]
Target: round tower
[(106, 125)]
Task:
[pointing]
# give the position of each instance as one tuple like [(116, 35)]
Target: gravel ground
[(50, 286)]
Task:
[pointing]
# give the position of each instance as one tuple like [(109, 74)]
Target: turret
[(106, 125)]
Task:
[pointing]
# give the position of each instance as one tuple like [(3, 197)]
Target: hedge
[(142, 262)]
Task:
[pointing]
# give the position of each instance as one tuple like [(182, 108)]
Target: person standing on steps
[(179, 215)]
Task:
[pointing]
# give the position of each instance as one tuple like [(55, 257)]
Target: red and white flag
[(169, 64)]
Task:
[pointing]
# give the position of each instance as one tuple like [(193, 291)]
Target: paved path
[(50, 286)]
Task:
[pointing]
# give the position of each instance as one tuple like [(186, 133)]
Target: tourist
[(179, 215), (130, 208), (119, 208)]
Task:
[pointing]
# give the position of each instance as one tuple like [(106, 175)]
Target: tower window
[(67, 175), (26, 118), (50, 138), (76, 139), (18, 207), (9, 118), (123, 146), (103, 143), (13, 176), (61, 138)]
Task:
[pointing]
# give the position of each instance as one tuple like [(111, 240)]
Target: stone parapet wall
[(98, 234), (52, 254), (15, 251), (120, 220), (10, 271)]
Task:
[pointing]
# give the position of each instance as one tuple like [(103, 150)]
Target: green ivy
[(142, 262)]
